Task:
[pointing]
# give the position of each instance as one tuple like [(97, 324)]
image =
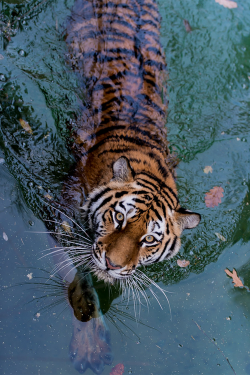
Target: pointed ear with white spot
[(122, 171), (187, 219)]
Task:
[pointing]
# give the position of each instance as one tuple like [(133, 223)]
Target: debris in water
[(187, 26), (183, 262), (25, 125)]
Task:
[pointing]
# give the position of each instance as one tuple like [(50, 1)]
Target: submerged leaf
[(66, 227), (208, 169), (236, 280), (213, 197), (47, 196), (25, 126), (5, 237), (117, 370), (222, 238), (183, 262), (227, 3), (187, 26)]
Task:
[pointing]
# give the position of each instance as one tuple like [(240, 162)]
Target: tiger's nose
[(111, 266)]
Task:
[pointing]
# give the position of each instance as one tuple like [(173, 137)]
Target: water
[(208, 125)]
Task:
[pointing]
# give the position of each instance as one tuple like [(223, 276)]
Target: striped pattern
[(115, 46), (124, 166)]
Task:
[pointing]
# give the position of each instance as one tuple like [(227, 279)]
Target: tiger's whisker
[(57, 209)]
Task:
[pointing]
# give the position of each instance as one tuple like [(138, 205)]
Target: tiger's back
[(124, 166)]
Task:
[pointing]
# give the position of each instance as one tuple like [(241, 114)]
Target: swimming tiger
[(124, 167)]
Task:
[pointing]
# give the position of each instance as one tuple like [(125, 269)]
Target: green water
[(208, 125)]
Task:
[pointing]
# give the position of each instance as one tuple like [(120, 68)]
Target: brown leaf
[(227, 3), (187, 26), (213, 197), (117, 370), (25, 126), (183, 262), (236, 280)]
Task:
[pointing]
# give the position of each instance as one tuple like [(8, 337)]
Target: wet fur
[(120, 139)]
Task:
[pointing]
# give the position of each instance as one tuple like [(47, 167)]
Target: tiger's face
[(136, 220)]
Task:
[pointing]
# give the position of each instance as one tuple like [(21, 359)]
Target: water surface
[(208, 125)]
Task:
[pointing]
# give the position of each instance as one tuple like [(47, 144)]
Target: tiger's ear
[(187, 219), (122, 171)]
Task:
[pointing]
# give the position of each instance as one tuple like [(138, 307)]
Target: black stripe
[(119, 194), (151, 6), (96, 197), (106, 130), (171, 248), (137, 200), (122, 206), (145, 12), (104, 86), (149, 183), (127, 51), (144, 97), (138, 142), (115, 151), (155, 50), (162, 184), (157, 214), (124, 23), (164, 210), (162, 252), (105, 201), (145, 186), (152, 83), (158, 65), (167, 230), (119, 75), (149, 22)]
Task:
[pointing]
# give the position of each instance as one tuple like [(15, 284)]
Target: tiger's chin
[(106, 277), (103, 275)]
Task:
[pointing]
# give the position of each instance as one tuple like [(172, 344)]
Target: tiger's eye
[(119, 216), (149, 239)]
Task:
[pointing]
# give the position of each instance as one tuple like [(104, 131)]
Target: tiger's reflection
[(90, 345)]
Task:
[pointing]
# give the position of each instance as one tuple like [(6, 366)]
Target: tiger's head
[(136, 220)]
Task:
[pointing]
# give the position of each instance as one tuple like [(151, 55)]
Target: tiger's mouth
[(106, 270)]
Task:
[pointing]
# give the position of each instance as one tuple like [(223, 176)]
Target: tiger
[(124, 169)]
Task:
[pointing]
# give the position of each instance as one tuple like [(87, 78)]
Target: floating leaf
[(117, 370), (66, 227), (5, 237), (38, 315), (25, 126), (208, 169), (183, 262), (222, 238), (29, 276), (47, 196), (213, 197), (227, 3), (187, 26), (236, 280)]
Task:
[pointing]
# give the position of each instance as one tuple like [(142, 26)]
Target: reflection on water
[(208, 124)]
